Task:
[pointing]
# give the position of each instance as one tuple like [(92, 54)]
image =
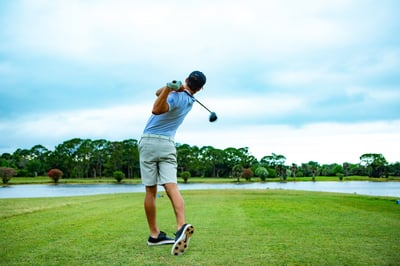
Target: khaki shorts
[(158, 165)]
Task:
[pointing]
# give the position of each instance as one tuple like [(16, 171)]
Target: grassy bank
[(47, 180), (270, 227)]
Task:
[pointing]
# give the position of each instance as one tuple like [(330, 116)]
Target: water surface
[(391, 189)]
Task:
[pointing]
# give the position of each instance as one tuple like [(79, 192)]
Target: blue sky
[(311, 80)]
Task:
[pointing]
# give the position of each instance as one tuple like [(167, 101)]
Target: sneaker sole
[(182, 243), (165, 242)]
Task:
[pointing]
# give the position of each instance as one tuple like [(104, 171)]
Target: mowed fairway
[(232, 227)]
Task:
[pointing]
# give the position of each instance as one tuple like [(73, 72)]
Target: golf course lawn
[(232, 227)]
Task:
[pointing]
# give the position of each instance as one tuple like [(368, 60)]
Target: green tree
[(394, 169), (273, 160), (37, 160), (21, 158), (232, 157), (65, 157), (281, 171), (130, 157), (375, 162), (294, 170), (358, 169), (237, 171), (114, 160), (189, 159), (99, 156), (331, 169), (314, 166), (212, 160), (346, 168), (275, 163), (6, 160), (83, 157), (310, 169)]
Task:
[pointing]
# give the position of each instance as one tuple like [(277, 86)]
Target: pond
[(391, 189)]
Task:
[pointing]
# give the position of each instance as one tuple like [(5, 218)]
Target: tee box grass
[(232, 227)]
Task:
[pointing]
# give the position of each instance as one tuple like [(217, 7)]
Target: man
[(158, 163)]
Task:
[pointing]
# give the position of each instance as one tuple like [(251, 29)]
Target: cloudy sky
[(313, 80)]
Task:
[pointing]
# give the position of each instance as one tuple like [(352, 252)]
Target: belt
[(157, 137)]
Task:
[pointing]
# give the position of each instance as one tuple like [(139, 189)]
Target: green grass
[(232, 227)]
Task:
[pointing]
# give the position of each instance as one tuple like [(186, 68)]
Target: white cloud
[(321, 142), (85, 30), (114, 123), (324, 143), (242, 109), (307, 77), (270, 65)]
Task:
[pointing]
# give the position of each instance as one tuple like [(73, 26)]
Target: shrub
[(262, 172), (55, 174), (340, 176), (247, 174), (300, 174), (6, 173), (185, 175), (119, 175)]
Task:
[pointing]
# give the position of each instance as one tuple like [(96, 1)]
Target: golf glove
[(174, 85)]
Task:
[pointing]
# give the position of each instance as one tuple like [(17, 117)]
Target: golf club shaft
[(198, 101), (202, 105)]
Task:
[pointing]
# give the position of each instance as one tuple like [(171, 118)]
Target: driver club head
[(213, 117)]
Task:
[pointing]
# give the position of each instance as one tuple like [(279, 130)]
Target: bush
[(185, 175), (23, 173), (119, 175), (247, 174), (6, 173), (340, 176), (262, 172), (55, 174), (300, 174)]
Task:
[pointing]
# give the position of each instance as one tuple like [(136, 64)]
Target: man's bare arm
[(161, 106)]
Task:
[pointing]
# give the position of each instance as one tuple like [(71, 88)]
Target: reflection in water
[(391, 189)]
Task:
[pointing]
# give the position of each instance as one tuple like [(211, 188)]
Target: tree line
[(86, 158)]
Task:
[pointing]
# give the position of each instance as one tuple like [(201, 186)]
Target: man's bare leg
[(184, 231), (150, 209), (177, 203)]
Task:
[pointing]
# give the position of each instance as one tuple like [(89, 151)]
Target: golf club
[(213, 115)]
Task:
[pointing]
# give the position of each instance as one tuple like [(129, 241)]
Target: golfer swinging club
[(158, 163)]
